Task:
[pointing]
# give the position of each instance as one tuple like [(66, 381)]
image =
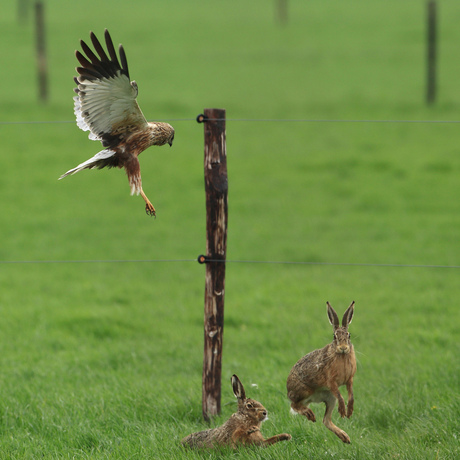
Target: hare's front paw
[(342, 410), (349, 410)]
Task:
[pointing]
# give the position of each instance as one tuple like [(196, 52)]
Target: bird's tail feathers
[(97, 161)]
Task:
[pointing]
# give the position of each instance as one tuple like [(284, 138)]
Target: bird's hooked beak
[(170, 143)]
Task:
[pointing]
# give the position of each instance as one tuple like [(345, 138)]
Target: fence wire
[(259, 120), (260, 262)]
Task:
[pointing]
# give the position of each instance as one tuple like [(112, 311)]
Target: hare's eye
[(249, 405), (349, 335)]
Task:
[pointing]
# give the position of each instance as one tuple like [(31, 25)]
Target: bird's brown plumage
[(106, 106)]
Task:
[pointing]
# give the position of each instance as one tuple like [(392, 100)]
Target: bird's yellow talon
[(150, 210)]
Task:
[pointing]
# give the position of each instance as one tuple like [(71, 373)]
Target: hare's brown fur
[(242, 428), (318, 375)]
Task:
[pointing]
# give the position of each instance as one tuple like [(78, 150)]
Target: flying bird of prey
[(106, 106)]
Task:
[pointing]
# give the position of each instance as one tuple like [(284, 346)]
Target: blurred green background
[(103, 359)]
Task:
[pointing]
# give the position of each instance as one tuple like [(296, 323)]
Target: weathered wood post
[(23, 11), (216, 187), (282, 11), (431, 52), (41, 51)]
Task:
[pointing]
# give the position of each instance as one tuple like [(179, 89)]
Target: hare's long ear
[(348, 315), (333, 318), (238, 389)]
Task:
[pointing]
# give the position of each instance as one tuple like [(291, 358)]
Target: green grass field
[(103, 360)]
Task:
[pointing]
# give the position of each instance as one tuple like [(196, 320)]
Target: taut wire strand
[(267, 262), (261, 120)]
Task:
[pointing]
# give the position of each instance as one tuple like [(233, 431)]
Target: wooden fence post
[(431, 52), (216, 187), (23, 11), (282, 11), (41, 51)]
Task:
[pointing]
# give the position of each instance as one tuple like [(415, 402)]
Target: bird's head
[(171, 138), (168, 131), (162, 133)]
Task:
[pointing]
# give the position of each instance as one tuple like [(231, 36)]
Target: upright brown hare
[(317, 376), (242, 428)]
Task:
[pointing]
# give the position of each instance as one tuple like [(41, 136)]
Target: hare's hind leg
[(330, 404), (300, 396), (298, 408)]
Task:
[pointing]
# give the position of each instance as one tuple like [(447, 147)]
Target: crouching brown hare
[(242, 428), (317, 376)]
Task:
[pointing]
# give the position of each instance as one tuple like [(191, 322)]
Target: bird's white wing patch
[(109, 106), (93, 162), (81, 123)]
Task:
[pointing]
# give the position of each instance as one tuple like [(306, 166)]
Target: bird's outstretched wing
[(106, 99)]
